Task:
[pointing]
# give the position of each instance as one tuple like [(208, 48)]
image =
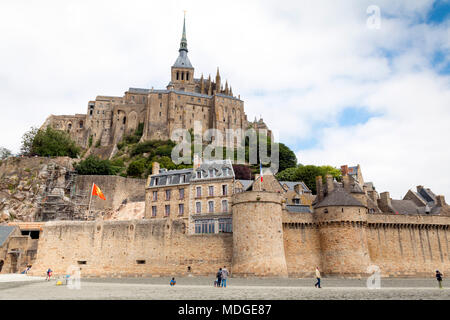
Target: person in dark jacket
[(439, 278), (219, 277)]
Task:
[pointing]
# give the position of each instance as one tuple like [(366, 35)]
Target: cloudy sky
[(333, 86)]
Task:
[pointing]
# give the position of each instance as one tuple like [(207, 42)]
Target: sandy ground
[(201, 288)]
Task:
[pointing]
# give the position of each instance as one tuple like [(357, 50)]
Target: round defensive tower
[(258, 247), (342, 222)]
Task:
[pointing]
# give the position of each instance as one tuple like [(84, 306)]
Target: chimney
[(346, 182), (372, 195), (385, 202), (330, 184), (319, 188), (155, 168), (344, 170), (440, 201)]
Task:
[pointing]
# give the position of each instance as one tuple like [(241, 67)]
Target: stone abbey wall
[(406, 246), (129, 248), (266, 241), (116, 189)]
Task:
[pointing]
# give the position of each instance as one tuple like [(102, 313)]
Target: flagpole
[(90, 199)]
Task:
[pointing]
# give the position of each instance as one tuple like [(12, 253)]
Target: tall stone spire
[(218, 86), (183, 60), (183, 43)]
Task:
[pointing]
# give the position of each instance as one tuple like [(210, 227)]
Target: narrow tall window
[(155, 195), (181, 209), (224, 206), (167, 194), (178, 75), (198, 207), (181, 194), (182, 76), (167, 210), (211, 206), (154, 211), (199, 192), (211, 191), (224, 190), (187, 76)]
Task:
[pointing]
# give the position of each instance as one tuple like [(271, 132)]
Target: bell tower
[(182, 70)]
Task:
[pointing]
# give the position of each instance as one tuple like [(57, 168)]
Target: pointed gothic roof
[(183, 60)]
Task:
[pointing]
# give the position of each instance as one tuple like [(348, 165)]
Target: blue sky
[(333, 89)]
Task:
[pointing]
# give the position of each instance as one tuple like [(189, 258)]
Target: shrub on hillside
[(48, 143), (95, 166)]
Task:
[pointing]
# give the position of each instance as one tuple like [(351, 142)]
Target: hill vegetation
[(135, 158)]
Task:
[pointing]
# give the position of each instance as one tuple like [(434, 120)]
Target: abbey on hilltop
[(185, 100)]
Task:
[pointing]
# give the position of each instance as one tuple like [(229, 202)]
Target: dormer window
[(182, 179), (199, 174), (211, 173)]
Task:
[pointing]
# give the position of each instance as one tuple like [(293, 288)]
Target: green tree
[(287, 157), (95, 166), (308, 174), (288, 174), (4, 153), (48, 143), (136, 168), (27, 141)]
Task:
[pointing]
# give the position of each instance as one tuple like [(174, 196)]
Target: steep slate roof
[(246, 183), (339, 198), (292, 184), (404, 206), (171, 177), (183, 61), (218, 166), (5, 232)]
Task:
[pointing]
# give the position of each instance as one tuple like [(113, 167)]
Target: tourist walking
[(317, 285), (172, 282), (49, 274), (439, 278), (224, 277), (219, 277)]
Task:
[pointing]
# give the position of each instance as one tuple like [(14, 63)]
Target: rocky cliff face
[(26, 182)]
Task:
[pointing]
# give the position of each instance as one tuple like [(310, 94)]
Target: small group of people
[(221, 278)]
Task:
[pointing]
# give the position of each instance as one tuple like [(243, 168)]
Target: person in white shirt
[(317, 285)]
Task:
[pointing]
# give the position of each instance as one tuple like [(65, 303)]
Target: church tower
[(182, 70)]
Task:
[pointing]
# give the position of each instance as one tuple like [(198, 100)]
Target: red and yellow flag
[(97, 192)]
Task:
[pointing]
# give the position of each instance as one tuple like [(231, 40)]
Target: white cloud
[(297, 63)]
